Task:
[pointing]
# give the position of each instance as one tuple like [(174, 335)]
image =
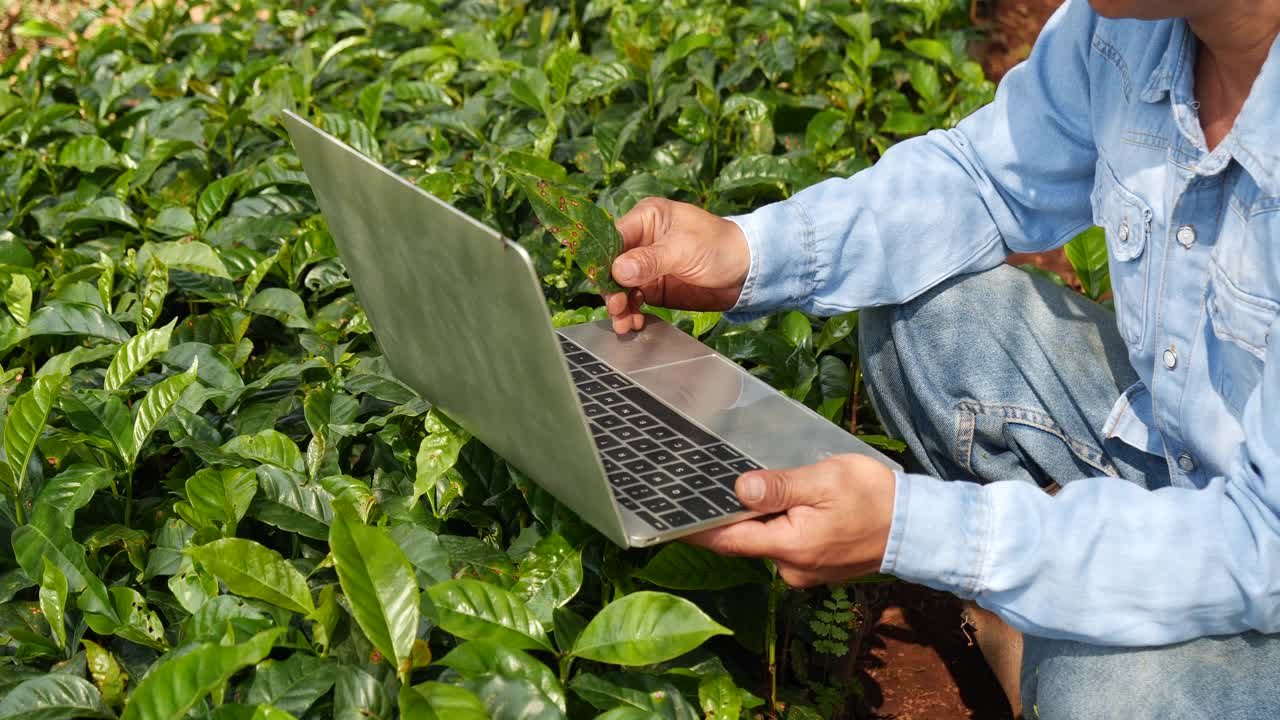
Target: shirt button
[(1186, 463), (1186, 236), (1123, 232), (1170, 358)]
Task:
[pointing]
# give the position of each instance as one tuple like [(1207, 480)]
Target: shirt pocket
[(1241, 324), (1126, 220)]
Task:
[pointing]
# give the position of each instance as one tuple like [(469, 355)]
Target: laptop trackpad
[(744, 410)]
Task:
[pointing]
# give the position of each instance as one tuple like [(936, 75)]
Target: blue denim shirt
[(1099, 126)]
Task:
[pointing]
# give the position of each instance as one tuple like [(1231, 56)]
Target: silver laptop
[(642, 435)]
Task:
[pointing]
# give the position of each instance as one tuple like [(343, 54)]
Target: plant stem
[(128, 499), (771, 634), (17, 508), (566, 663)]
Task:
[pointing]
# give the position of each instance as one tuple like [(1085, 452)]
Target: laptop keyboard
[(666, 469)]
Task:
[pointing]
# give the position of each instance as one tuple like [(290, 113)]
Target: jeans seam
[(1030, 417), (964, 437)]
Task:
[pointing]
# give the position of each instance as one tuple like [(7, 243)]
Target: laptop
[(643, 435)]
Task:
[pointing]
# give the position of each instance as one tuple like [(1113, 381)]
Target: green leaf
[(252, 570), (48, 536), (53, 601), (101, 416), (635, 690), (222, 495), (719, 697), (825, 129), (437, 453), (17, 298), (924, 78), (154, 291), (174, 221), (599, 81), (513, 698), (106, 672), (797, 329), (175, 685), (579, 224), (102, 211), (134, 355), (477, 658), (835, 329), (24, 424), (644, 628), (1087, 253), (215, 197), (87, 153), (189, 255), (71, 489), (474, 610), (74, 318), (906, 123), (438, 701), (550, 575), (379, 584), (754, 171), (52, 697), (679, 566), (931, 49), (156, 404), (282, 305), (835, 384), (268, 446), (292, 685), (286, 501)]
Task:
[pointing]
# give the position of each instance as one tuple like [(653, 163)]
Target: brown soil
[(919, 663)]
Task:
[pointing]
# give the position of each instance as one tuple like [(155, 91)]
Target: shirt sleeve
[(1014, 176), (1105, 561)]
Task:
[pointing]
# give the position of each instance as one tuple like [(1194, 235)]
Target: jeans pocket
[(1007, 442)]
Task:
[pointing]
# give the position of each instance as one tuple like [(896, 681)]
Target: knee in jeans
[(1088, 685)]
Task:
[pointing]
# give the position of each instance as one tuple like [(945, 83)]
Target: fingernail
[(625, 270), (753, 488)]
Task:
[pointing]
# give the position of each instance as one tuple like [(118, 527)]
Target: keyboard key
[(723, 499), (667, 416), (743, 465), (724, 453), (621, 454), (677, 492), (604, 442), (640, 492), (579, 358), (593, 410), (596, 369), (625, 410), (579, 376), (678, 444), (622, 479), (609, 398), (660, 456), (657, 478), (679, 469), (608, 421), (611, 467), (700, 508), (644, 445), (626, 433), (696, 457), (628, 503), (699, 482), (591, 388), (659, 432), (658, 504), (678, 518), (717, 471), (643, 421), (639, 466), (653, 521), (614, 381)]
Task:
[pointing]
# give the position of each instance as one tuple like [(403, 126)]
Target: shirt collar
[(1256, 134), (1176, 52)]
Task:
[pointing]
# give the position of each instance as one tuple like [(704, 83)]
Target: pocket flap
[(1239, 317), (1124, 216)]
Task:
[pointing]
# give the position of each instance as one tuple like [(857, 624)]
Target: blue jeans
[(1005, 376)]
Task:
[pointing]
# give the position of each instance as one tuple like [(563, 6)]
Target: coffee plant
[(220, 502)]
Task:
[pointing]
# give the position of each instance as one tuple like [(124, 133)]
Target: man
[(1126, 516)]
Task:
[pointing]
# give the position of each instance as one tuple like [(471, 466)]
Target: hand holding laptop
[(677, 256), (822, 523)]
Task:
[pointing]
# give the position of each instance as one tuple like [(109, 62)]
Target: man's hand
[(677, 256), (834, 523)]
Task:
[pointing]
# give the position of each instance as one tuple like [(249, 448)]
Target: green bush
[(208, 465)]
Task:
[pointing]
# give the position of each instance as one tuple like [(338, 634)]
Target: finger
[(773, 491), (616, 303), (622, 324), (646, 264), (748, 538), (640, 225)]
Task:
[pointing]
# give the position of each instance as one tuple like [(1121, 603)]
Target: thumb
[(773, 491), (643, 265)]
